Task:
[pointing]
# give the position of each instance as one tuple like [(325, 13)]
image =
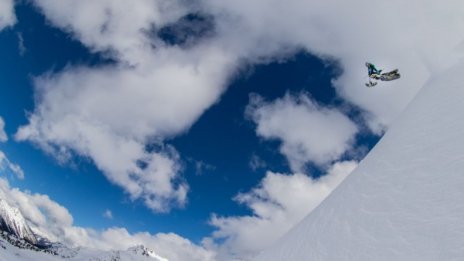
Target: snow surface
[(405, 201), (12, 253)]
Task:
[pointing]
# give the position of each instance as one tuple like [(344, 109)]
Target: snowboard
[(389, 76)]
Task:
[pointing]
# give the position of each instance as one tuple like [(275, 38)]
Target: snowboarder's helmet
[(367, 64)]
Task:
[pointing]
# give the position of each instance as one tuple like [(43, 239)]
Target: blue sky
[(208, 122)]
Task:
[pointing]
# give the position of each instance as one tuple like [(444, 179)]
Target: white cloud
[(117, 155), (54, 221), (113, 25), (7, 15), (3, 136), (5, 163), (308, 131), (278, 203), (108, 214)]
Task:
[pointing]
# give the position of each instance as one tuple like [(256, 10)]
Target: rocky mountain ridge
[(18, 241)]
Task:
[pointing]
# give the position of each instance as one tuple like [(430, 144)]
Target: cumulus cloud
[(3, 136), (48, 218), (117, 26), (155, 181), (308, 132), (278, 203), (6, 164), (7, 14)]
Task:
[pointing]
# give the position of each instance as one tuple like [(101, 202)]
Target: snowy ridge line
[(18, 242), (12, 221)]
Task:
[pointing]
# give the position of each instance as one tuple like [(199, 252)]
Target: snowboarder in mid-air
[(377, 74)]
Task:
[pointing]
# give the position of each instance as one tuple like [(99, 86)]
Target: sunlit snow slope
[(405, 201), (12, 220)]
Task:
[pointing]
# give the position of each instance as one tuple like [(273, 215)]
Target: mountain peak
[(144, 251), (13, 222), (15, 230)]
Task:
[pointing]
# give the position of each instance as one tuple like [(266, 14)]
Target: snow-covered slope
[(13, 253), (405, 201), (12, 221), (137, 253)]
